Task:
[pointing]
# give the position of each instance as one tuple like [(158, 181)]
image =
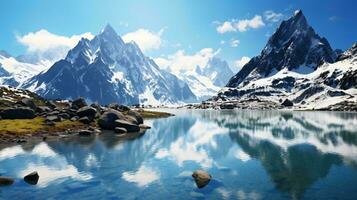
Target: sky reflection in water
[(250, 154)]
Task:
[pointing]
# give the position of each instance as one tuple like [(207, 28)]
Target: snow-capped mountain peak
[(105, 69)]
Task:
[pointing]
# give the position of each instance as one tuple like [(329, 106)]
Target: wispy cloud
[(234, 42), (272, 16), (43, 40), (240, 25), (147, 40)]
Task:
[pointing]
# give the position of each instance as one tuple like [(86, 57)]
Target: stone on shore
[(17, 113), (79, 103), (85, 133), (201, 178), (107, 120), (5, 181), (32, 178), (28, 102), (127, 125), (84, 120), (87, 111), (136, 115), (143, 126)]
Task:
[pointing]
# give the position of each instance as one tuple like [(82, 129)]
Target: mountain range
[(295, 65)]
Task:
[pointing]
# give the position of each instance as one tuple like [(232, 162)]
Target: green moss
[(154, 114), (36, 125)]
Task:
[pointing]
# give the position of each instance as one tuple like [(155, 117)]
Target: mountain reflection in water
[(250, 154)]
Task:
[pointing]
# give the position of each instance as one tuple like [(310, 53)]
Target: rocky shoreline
[(26, 116)]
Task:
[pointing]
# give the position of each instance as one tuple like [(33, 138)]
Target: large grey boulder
[(136, 115), (18, 113), (130, 127), (87, 111), (201, 178), (107, 119)]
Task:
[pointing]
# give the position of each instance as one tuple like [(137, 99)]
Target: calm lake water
[(250, 155)]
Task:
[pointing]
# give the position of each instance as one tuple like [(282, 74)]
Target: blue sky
[(185, 26)]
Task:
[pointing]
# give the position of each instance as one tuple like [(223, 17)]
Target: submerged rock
[(201, 178), (85, 132), (127, 125), (120, 130), (32, 178), (5, 181)]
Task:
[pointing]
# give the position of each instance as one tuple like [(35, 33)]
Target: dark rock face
[(107, 120), (287, 103), (201, 178), (32, 178), (17, 113), (127, 125), (85, 133), (294, 44), (85, 120)]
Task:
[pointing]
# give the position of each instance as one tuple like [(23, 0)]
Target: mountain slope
[(298, 65), (294, 44), (14, 72), (105, 69)]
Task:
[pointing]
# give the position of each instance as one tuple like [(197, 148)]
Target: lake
[(250, 155)]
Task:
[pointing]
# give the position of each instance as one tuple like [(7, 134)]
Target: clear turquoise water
[(250, 155)]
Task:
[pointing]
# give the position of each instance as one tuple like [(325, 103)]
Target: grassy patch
[(154, 114), (36, 125)]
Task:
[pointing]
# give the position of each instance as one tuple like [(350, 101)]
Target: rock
[(201, 178), (120, 130), (18, 113), (87, 111), (131, 119), (136, 115), (84, 120), (127, 125), (227, 106), (5, 181), (143, 126), (43, 109), (49, 123), (287, 103), (64, 115), (123, 108), (32, 178), (28, 102), (53, 118), (75, 118), (107, 120), (79, 103), (51, 104), (85, 132)]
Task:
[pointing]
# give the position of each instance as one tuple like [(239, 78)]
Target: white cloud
[(142, 177), (222, 42), (146, 39), (272, 16), (241, 62), (43, 40), (254, 23), (226, 27), (241, 25), (46, 48), (234, 43), (180, 61)]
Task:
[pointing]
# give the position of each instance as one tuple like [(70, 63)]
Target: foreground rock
[(5, 181), (18, 113), (120, 130), (87, 111), (107, 120), (127, 125), (32, 178), (201, 178)]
